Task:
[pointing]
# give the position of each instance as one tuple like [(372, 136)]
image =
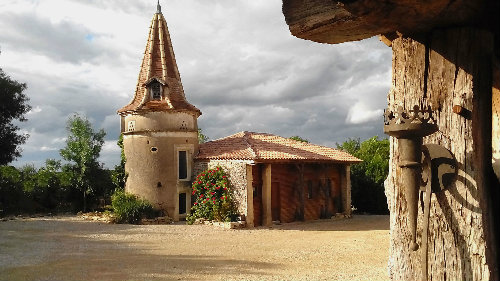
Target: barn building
[(272, 176)]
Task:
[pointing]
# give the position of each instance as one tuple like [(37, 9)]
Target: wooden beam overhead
[(328, 21)]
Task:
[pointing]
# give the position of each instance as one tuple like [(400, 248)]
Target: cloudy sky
[(238, 62)]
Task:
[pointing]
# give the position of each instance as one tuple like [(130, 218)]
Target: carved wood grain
[(442, 69)]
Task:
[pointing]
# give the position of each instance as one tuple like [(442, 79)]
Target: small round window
[(154, 149)]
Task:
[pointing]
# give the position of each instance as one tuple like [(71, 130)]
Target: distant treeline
[(367, 177), (52, 188), (79, 185)]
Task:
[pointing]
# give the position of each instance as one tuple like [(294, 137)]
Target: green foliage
[(28, 189), (201, 137), (83, 147), (297, 138), (130, 209), (50, 185), (11, 189), (29, 178), (367, 178), (50, 188), (118, 176), (212, 197), (13, 106)]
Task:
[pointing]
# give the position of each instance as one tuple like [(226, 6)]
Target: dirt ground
[(68, 248)]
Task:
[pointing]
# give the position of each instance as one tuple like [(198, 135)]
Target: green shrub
[(367, 178), (212, 197), (130, 209)]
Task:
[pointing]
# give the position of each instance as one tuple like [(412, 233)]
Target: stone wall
[(237, 174)]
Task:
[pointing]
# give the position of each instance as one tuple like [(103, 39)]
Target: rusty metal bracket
[(436, 172), (409, 127)]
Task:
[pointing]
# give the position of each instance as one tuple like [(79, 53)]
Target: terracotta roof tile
[(159, 62), (263, 147)]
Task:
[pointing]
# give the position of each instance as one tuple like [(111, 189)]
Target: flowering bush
[(212, 197)]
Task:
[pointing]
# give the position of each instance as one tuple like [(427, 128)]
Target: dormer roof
[(159, 64), (150, 80)]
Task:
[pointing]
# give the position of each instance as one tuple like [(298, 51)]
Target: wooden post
[(249, 214), (300, 193), (443, 69), (326, 190), (267, 218), (345, 189)]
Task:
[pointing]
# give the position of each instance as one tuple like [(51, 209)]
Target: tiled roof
[(159, 62), (262, 147)]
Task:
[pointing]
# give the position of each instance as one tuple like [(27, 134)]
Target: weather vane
[(158, 8)]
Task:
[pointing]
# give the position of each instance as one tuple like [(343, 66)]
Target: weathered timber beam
[(329, 21)]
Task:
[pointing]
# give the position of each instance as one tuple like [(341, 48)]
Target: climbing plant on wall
[(212, 197)]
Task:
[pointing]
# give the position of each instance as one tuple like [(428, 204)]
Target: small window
[(156, 90), (183, 165), (182, 203), (131, 126), (154, 149)]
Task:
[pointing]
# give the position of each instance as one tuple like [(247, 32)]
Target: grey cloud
[(64, 41), (238, 63), (318, 83), (55, 102), (127, 6)]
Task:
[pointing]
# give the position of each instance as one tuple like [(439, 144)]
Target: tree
[(83, 147), (367, 177), (11, 190), (50, 182), (13, 106), (297, 138), (118, 175), (201, 137)]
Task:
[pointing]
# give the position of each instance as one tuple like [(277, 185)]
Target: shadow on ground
[(376, 222), (67, 250)]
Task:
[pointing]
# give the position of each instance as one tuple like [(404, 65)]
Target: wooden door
[(257, 205), (275, 201)]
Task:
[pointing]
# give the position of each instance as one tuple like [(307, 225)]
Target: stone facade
[(237, 174)]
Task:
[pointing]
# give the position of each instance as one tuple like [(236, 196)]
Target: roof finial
[(158, 8)]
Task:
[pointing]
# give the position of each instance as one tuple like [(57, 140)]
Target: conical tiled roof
[(159, 63), (261, 147)]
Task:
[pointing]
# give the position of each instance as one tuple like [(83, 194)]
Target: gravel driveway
[(67, 248)]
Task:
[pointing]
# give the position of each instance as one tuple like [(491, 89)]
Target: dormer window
[(155, 88)]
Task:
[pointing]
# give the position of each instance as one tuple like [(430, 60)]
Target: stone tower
[(159, 127)]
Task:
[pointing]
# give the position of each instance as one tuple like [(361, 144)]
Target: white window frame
[(189, 154)]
